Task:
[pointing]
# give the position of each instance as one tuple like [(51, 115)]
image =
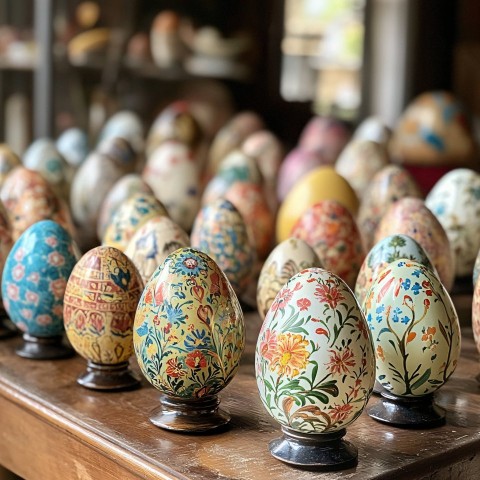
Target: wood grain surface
[(51, 428)]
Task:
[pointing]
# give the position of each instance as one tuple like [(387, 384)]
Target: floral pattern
[(315, 364), (34, 279), (189, 329), (415, 329), (101, 298)]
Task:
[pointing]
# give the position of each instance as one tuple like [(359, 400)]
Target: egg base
[(44, 348), (319, 451), (108, 377)]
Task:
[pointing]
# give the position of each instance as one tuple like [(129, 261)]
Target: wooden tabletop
[(51, 428)]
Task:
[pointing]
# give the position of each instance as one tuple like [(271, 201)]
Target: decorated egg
[(173, 175), (286, 260), (314, 360), (8, 161), (35, 276), (386, 187), (220, 232), (329, 228), (476, 270), (415, 329), (323, 183), (410, 216), (455, 201), (73, 145), (6, 244), (388, 250), (101, 298), (153, 242), (120, 151), (125, 124), (476, 312), (189, 329), (129, 217), (124, 188), (374, 129), (359, 161)]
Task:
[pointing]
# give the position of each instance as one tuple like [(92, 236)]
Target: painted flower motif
[(52, 241), (428, 334), (96, 321), (174, 313), (31, 297), (189, 264), (362, 328), (34, 277), (380, 353), (196, 359), (19, 254), (18, 272), (268, 345), (329, 294), (340, 362), (44, 320), (291, 354), (340, 412), (12, 291), (57, 310), (198, 339), (284, 296), (58, 287), (303, 304), (56, 259), (26, 313), (175, 368)]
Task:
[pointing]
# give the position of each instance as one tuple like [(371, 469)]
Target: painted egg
[(314, 360), (250, 201), (6, 241), (329, 228), (120, 151), (124, 124), (129, 217), (153, 242), (124, 188), (411, 217), (73, 145), (8, 161), (374, 129), (359, 161), (219, 231), (286, 260), (35, 276), (386, 251), (415, 329), (101, 299), (476, 270), (455, 201), (295, 166), (476, 313), (323, 183), (189, 332), (173, 175), (386, 187)]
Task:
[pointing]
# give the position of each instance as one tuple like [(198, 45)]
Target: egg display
[(189, 337), (455, 201), (124, 124), (173, 175), (323, 183), (388, 250), (374, 129), (153, 242), (129, 217), (101, 298), (386, 187), (359, 161), (33, 285), (410, 216), (219, 231), (415, 329), (286, 260), (73, 146), (8, 161), (314, 360), (329, 228)]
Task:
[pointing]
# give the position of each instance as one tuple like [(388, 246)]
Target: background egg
[(73, 145), (286, 260), (411, 217), (415, 329), (189, 330), (373, 128), (455, 201), (120, 151), (101, 298), (125, 124), (35, 276), (314, 360), (8, 161), (153, 242)]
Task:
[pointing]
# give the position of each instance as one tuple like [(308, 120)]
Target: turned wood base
[(108, 377), (44, 348)]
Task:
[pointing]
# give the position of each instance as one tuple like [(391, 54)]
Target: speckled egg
[(286, 260), (359, 161), (386, 187), (314, 360), (153, 242), (411, 217), (125, 124), (219, 231), (101, 298), (386, 251), (173, 175), (330, 229), (415, 329), (129, 217), (323, 183), (73, 145), (455, 201), (35, 276), (189, 331), (8, 161)]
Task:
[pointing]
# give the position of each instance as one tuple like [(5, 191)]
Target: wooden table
[(51, 428)]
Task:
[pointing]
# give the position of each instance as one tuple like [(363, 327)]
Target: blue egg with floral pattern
[(35, 276)]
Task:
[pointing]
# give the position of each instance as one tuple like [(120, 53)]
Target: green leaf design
[(422, 379)]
